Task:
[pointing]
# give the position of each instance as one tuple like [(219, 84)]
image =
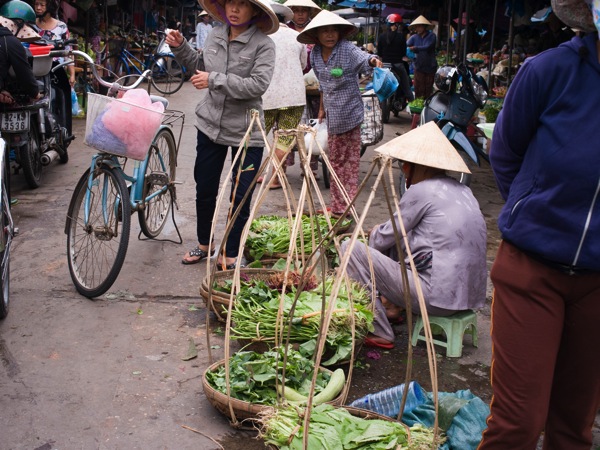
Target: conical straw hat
[(314, 8), (421, 20), (425, 145), (282, 10), (575, 14), (324, 19), (266, 22)]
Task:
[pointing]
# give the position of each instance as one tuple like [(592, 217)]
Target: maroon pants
[(545, 355), (423, 83)]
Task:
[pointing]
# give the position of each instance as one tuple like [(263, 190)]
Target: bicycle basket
[(126, 140), (116, 45), (371, 130)]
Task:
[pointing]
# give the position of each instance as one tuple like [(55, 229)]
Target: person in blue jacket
[(422, 44), (546, 307)]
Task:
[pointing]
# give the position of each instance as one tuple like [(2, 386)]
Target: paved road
[(108, 373)]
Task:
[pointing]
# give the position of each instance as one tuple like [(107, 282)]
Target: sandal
[(374, 341), (196, 252), (232, 266)]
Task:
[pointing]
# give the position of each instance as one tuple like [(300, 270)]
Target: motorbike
[(397, 101), (460, 94), (34, 130)]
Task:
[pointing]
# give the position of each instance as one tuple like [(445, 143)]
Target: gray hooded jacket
[(239, 74)]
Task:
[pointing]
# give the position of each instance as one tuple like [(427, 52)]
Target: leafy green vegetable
[(271, 235), (337, 429), (253, 376), (255, 316), (417, 103)]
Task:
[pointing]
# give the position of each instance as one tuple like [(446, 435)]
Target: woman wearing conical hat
[(446, 233), (337, 64), (231, 74), (422, 44)]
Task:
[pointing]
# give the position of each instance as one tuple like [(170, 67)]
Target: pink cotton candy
[(134, 120)]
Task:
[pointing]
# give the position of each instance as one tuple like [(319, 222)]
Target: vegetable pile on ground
[(254, 378), (336, 429), (257, 304), (271, 235)]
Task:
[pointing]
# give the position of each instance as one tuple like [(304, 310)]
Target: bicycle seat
[(157, 98)]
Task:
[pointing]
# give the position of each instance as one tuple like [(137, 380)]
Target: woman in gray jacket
[(232, 73)]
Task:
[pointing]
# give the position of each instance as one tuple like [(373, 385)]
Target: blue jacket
[(546, 156)]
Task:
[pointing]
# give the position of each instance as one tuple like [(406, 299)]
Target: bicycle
[(8, 230), (99, 215), (167, 74)]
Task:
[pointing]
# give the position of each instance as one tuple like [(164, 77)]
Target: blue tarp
[(357, 4)]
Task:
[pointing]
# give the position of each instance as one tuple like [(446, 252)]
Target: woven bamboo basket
[(363, 414), (243, 410), (219, 302)]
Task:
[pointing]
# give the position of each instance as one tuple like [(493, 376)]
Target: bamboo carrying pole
[(309, 195)]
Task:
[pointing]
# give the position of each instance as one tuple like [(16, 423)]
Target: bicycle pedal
[(158, 178)]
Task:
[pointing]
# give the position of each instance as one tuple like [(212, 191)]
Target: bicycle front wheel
[(167, 75), (96, 249), (160, 173)]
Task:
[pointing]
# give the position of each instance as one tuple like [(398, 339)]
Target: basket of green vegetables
[(256, 313), (342, 428), (256, 382), (270, 236), (222, 285), (416, 106)]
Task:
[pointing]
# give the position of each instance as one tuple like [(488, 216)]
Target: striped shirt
[(341, 95)]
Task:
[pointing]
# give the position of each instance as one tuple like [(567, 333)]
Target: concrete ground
[(110, 373)]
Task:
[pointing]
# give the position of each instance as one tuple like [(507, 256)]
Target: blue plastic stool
[(454, 327)]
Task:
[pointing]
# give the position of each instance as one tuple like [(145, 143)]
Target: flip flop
[(196, 252), (275, 186), (370, 342)]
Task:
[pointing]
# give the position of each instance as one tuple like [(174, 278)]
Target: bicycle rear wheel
[(96, 249), (167, 74), (160, 172), (5, 238)]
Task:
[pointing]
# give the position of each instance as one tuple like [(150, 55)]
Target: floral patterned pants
[(344, 154)]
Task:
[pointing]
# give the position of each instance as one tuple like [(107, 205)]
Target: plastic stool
[(454, 326)]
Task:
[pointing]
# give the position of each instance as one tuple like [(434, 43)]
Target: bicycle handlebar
[(113, 87)]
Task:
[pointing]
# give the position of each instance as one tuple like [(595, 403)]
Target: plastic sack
[(461, 415), (310, 80), (388, 401), (321, 137), (75, 109), (384, 83)]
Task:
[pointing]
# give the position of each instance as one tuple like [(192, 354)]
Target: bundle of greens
[(336, 429), (255, 316), (253, 376), (270, 235)]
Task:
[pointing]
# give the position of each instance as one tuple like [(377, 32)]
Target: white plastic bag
[(321, 137)]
